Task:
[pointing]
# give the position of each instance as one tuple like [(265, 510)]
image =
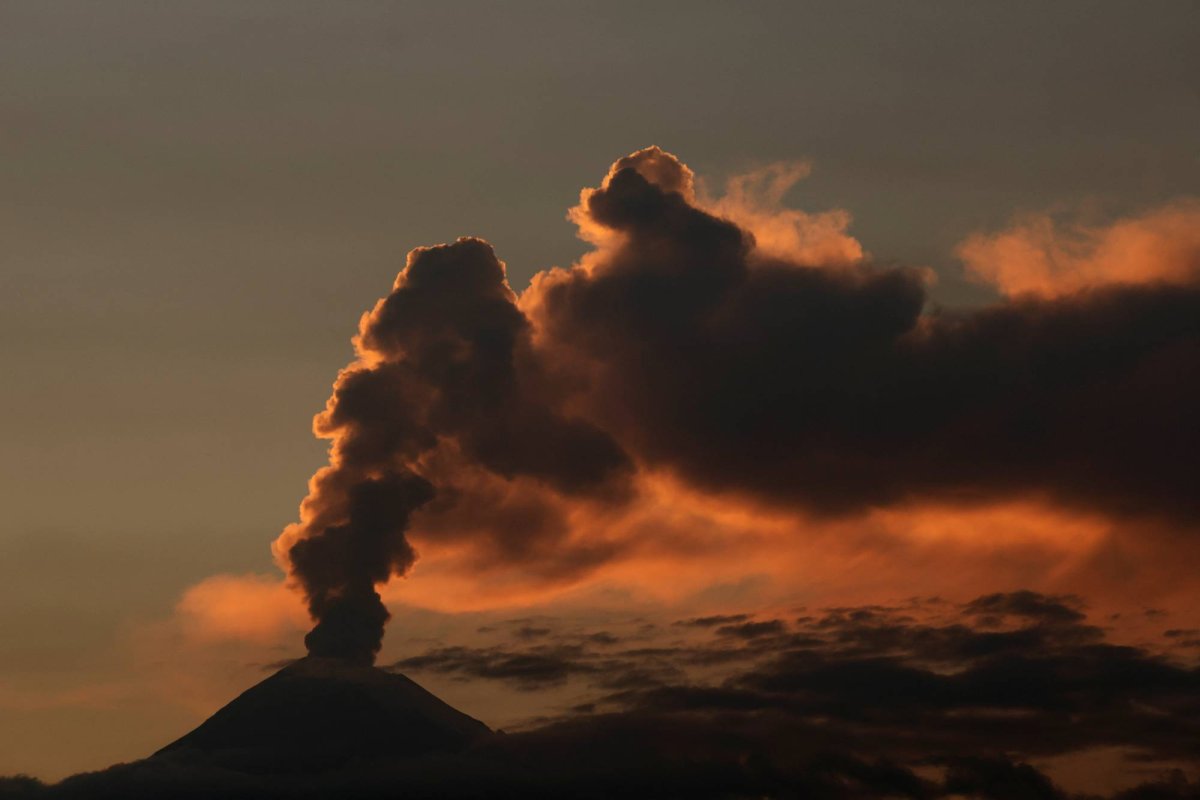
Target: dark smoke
[(829, 389), (834, 390), (445, 358), (340, 567)]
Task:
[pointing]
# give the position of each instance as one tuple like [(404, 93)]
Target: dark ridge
[(321, 713)]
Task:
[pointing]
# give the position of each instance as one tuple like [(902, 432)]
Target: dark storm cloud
[(836, 389)]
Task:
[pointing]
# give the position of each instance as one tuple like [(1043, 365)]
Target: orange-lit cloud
[(674, 545), (250, 608), (700, 553), (1042, 256), (754, 201)]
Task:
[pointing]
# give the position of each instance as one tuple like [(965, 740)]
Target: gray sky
[(199, 198)]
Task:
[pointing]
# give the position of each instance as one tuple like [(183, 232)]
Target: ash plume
[(444, 359), (835, 389), (826, 387)]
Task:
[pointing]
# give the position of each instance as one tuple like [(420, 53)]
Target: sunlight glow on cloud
[(754, 200), (252, 608), (1043, 256)]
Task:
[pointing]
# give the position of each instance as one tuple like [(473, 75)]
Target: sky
[(912, 333)]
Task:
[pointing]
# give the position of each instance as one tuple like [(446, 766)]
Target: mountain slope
[(319, 713)]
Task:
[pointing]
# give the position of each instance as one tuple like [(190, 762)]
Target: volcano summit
[(322, 713)]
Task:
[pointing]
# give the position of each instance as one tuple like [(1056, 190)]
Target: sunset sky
[(793, 341)]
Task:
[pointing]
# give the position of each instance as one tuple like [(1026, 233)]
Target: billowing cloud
[(833, 390), (444, 367), (689, 385)]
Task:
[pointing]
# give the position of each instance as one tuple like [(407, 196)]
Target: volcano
[(322, 713)]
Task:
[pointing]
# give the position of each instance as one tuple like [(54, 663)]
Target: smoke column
[(443, 366)]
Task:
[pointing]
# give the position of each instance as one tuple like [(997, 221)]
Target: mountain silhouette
[(322, 713)]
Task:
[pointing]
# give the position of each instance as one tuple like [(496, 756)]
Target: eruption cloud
[(444, 362), (792, 374)]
